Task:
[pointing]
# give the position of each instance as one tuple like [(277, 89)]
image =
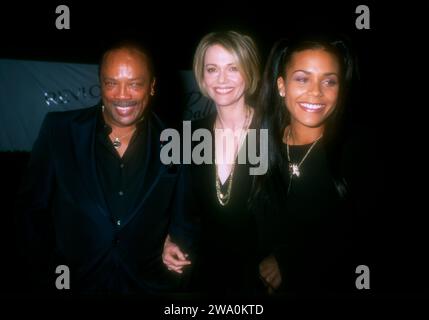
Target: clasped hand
[(173, 257)]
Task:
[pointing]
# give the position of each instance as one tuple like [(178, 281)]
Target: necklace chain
[(294, 168), (117, 140), (224, 198)]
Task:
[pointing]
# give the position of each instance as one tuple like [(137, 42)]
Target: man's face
[(126, 85)]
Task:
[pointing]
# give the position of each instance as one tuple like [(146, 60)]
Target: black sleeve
[(34, 221), (184, 230)]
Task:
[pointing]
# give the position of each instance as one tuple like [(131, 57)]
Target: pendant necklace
[(117, 140), (294, 168)]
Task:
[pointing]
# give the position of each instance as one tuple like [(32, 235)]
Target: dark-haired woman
[(304, 201)]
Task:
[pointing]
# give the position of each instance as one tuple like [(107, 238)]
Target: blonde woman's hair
[(242, 47)]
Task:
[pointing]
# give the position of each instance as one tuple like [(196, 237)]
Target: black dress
[(308, 226), (227, 259)]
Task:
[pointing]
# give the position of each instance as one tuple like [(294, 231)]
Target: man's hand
[(270, 273), (173, 257)]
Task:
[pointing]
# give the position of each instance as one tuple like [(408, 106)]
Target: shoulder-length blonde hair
[(242, 47)]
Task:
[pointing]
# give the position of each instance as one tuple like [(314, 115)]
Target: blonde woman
[(226, 68)]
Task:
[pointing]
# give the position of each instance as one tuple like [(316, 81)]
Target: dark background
[(388, 101)]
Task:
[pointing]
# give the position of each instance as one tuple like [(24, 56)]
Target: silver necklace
[(294, 167), (117, 140)]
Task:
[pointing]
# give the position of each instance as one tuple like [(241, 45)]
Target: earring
[(102, 108), (152, 91), (282, 94)]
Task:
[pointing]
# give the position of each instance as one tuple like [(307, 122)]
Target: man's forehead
[(125, 53), (125, 61)]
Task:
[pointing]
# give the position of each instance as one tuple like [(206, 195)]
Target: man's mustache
[(124, 104)]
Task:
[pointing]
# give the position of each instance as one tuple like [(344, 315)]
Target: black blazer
[(64, 218)]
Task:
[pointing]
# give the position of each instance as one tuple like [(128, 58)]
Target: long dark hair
[(272, 114)]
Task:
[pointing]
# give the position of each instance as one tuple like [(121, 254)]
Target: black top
[(120, 178), (227, 258), (307, 228)]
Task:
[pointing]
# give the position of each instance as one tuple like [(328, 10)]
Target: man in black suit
[(97, 198)]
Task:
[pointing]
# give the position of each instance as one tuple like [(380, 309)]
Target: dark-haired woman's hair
[(272, 114)]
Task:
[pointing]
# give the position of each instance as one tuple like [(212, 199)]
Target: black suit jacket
[(64, 218)]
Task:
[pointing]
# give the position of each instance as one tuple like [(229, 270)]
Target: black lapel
[(153, 168), (204, 175), (83, 133)]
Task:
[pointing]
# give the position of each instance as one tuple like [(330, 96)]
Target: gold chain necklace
[(293, 166), (224, 198)]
